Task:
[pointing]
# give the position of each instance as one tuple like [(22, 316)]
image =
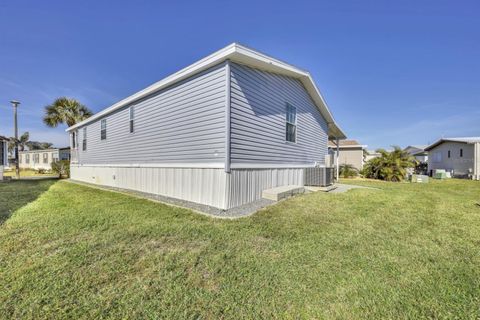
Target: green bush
[(347, 171), (61, 167), (390, 166)]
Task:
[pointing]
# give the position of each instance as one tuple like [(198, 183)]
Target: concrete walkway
[(341, 188)]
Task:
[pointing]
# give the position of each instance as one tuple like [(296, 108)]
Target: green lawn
[(29, 173), (405, 251)]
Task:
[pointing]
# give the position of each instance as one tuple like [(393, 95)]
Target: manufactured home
[(218, 132), (418, 152), (349, 152), (3, 154), (42, 159), (459, 156)]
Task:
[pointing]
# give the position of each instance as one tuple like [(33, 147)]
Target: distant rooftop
[(418, 146), (4, 138), (345, 143), (460, 139)]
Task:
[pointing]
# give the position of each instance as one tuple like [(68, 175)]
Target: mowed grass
[(404, 251), (29, 173)]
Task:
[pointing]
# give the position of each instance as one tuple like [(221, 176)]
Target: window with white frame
[(27, 158), (36, 158), (103, 129), (132, 118), (45, 158), (84, 140), (291, 123), (74, 139)]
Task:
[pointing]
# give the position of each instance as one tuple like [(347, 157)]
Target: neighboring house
[(217, 132), (3, 154), (42, 159), (349, 152), (460, 156), (418, 152), (371, 154)]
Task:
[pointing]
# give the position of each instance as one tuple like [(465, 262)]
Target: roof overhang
[(440, 141), (240, 54)]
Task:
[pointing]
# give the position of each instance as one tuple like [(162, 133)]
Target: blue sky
[(392, 72)]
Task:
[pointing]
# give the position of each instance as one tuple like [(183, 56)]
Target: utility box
[(318, 176)]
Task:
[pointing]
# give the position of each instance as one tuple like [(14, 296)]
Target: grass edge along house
[(217, 132)]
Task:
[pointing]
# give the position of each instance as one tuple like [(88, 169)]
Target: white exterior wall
[(51, 155), (200, 185), (1, 172), (459, 165), (246, 185)]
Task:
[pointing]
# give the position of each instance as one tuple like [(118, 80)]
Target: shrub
[(61, 167), (347, 171), (41, 171), (390, 166)]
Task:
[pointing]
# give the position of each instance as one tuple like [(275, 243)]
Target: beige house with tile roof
[(350, 152)]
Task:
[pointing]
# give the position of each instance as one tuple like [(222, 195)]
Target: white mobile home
[(3, 154), (218, 132), (459, 156), (42, 159)]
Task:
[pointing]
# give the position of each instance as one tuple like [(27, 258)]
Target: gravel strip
[(237, 212)]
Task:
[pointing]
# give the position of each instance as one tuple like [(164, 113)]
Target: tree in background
[(65, 111), (36, 145), (390, 166), (22, 142)]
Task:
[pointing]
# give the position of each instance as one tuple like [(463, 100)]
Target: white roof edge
[(233, 51), (467, 140)]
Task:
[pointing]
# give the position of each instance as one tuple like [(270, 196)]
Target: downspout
[(227, 116)]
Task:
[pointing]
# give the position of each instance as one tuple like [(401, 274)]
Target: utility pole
[(15, 124)]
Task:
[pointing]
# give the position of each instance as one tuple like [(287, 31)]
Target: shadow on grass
[(15, 194)]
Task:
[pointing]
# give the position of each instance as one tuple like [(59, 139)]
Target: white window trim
[(294, 124), (101, 129)]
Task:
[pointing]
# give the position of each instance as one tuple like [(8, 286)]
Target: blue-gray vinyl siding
[(258, 114), (184, 123)]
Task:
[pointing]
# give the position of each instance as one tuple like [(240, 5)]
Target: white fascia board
[(235, 53)]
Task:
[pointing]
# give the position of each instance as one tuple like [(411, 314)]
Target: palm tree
[(36, 145), (347, 170), (65, 110), (22, 142), (390, 166)]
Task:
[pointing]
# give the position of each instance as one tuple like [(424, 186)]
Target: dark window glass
[(132, 118), (449, 153), (291, 123), (84, 141), (461, 152), (103, 132)]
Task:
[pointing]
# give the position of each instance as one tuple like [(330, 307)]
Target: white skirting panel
[(200, 185), (246, 185), (1, 173)]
